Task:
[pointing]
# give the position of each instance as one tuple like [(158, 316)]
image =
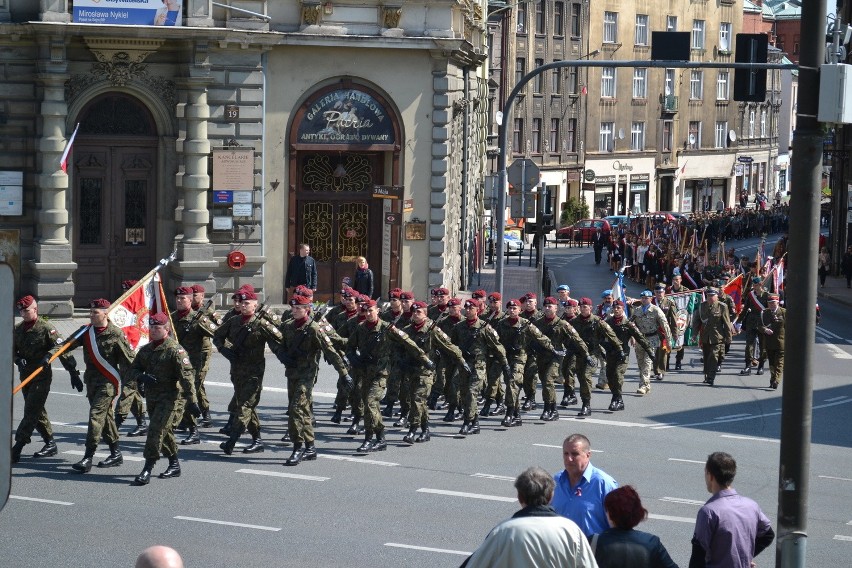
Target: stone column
[(199, 13), (53, 264)]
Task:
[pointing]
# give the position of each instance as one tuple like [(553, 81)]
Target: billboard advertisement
[(129, 12)]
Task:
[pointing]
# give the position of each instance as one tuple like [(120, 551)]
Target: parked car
[(512, 244), (667, 215), (616, 220), (586, 228)]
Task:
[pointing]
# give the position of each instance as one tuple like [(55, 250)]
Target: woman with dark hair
[(621, 546)]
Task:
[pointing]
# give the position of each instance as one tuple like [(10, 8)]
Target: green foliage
[(573, 210)]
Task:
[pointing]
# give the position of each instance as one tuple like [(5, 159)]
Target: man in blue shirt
[(581, 487)]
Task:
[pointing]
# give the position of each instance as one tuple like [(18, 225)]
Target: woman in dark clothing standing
[(621, 546), (363, 281), (846, 266)]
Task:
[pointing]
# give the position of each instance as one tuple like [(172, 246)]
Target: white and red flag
[(63, 162), (131, 315)]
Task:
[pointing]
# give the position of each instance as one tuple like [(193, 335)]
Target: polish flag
[(63, 162), (147, 297)]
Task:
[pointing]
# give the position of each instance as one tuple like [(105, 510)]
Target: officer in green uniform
[(302, 340), (430, 339), (726, 299), (209, 312), (564, 338), (616, 361), (712, 325), (131, 400), (392, 313), (236, 310), (194, 330), (529, 311), (241, 340), (493, 392), (568, 368), (773, 320), (662, 355), (163, 368), (754, 302), (107, 355), (446, 373), (476, 339), (368, 350), (594, 332), (35, 341)]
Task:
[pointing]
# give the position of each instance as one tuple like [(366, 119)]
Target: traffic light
[(750, 84)]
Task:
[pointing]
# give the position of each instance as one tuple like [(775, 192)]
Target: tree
[(572, 211)]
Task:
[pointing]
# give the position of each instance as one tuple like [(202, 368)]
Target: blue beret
[(606, 293), (565, 287), (647, 294)]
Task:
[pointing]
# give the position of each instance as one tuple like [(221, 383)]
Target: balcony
[(668, 103)]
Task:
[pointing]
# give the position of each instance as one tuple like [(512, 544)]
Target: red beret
[(302, 290), (247, 295), (472, 303), (367, 304), (300, 301), (618, 303), (418, 306), (362, 298), (573, 303), (586, 301), (454, 302), (183, 291), (480, 294), (440, 292), (158, 319), (198, 288), (395, 293), (515, 303), (529, 296), (128, 284), (25, 302), (496, 296), (100, 303), (406, 296), (246, 288), (551, 300), (348, 292)]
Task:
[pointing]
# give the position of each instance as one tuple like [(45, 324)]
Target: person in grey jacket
[(301, 270)]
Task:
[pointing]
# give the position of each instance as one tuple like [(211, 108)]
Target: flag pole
[(83, 329)]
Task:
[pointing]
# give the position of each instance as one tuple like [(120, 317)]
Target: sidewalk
[(836, 290), (517, 280)]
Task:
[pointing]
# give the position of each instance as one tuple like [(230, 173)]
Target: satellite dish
[(732, 136), (692, 138), (621, 134)]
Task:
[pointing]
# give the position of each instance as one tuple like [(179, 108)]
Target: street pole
[(801, 288)]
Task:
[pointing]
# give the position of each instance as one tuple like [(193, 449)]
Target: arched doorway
[(115, 196)]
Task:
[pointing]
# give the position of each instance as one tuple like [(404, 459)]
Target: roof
[(785, 9)]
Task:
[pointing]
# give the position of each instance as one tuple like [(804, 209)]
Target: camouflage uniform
[(564, 337), (531, 368), (650, 320), (397, 391), (594, 332), (475, 339), (493, 391), (446, 379), (194, 332), (132, 402), (344, 325), (616, 361), (775, 321), (712, 325), (661, 356), (568, 371)]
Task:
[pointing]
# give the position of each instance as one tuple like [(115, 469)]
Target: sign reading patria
[(346, 116)]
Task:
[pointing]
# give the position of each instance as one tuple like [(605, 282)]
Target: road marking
[(824, 331), (215, 522), (428, 549), (686, 461), (67, 393), (68, 425), (731, 416), (670, 518), (48, 501), (103, 455), (761, 416), (606, 422), (269, 389), (282, 474), (560, 447), (468, 495), (492, 476), (359, 460), (837, 352), (751, 438), (843, 537), (835, 399), (837, 478), (681, 501)]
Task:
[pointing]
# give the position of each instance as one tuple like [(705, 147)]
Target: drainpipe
[(464, 184)]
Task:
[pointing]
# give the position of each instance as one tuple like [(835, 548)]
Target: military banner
[(131, 315), (686, 303)]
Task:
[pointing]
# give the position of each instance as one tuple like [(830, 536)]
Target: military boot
[(297, 455), (145, 476), (114, 459), (205, 419), (355, 429), (474, 426), (433, 402), (173, 470), (570, 398), (465, 429), (286, 437), (387, 411), (85, 464), (425, 435), (759, 369), (49, 449), (193, 437), (16, 451), (545, 414), (529, 403), (380, 444), (365, 447), (141, 427), (451, 414), (486, 407), (409, 438), (256, 446), (746, 372), (228, 445), (337, 417), (119, 420), (507, 420), (500, 408), (310, 452), (226, 429), (402, 422), (516, 418), (586, 409)]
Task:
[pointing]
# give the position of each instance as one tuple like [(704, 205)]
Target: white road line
[(828, 333), (837, 352), (560, 447), (731, 416), (358, 460), (67, 425), (606, 422), (686, 461), (837, 478), (48, 501), (492, 476), (468, 495), (67, 393), (670, 518), (428, 549), (283, 474), (268, 389), (681, 501), (215, 522), (103, 455), (843, 537), (751, 438)]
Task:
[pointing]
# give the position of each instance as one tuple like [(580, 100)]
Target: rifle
[(287, 357), (188, 325)]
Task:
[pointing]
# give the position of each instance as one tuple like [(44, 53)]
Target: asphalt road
[(430, 504)]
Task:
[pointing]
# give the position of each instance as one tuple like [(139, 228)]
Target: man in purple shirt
[(581, 487), (730, 529)]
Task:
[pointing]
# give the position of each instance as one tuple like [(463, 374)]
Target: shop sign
[(640, 177), (128, 12), (745, 159), (604, 179), (346, 116), (387, 191), (622, 166), (233, 169)]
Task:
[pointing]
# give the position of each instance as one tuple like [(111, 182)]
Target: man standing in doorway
[(302, 269)]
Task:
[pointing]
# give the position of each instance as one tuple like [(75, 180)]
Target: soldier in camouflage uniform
[(194, 331), (529, 311), (773, 322), (302, 340), (493, 392), (236, 310), (754, 302), (595, 332), (476, 339), (164, 370), (726, 299), (651, 321), (393, 314), (241, 340), (430, 339), (107, 355), (712, 325), (446, 379), (338, 322), (568, 368), (440, 297), (661, 357), (616, 361), (564, 338), (517, 336), (35, 341), (209, 312), (131, 400), (368, 349)]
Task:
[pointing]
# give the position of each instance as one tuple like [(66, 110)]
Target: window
[(608, 82), (536, 136), (520, 69), (637, 136), (573, 80), (671, 23), (522, 19), (571, 136), (694, 140), (605, 144), (640, 83), (539, 18), (668, 136), (696, 85), (576, 18), (559, 18), (610, 31), (751, 123), (722, 85), (697, 34), (554, 135), (670, 80), (538, 80), (721, 134), (725, 36), (517, 134), (763, 123), (641, 35)]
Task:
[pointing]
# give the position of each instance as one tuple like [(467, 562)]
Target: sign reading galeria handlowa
[(346, 116), (129, 12)]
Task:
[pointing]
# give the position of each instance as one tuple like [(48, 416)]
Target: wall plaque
[(233, 169)]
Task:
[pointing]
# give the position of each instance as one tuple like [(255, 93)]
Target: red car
[(583, 230)]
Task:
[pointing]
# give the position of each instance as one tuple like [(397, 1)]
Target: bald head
[(159, 557)]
